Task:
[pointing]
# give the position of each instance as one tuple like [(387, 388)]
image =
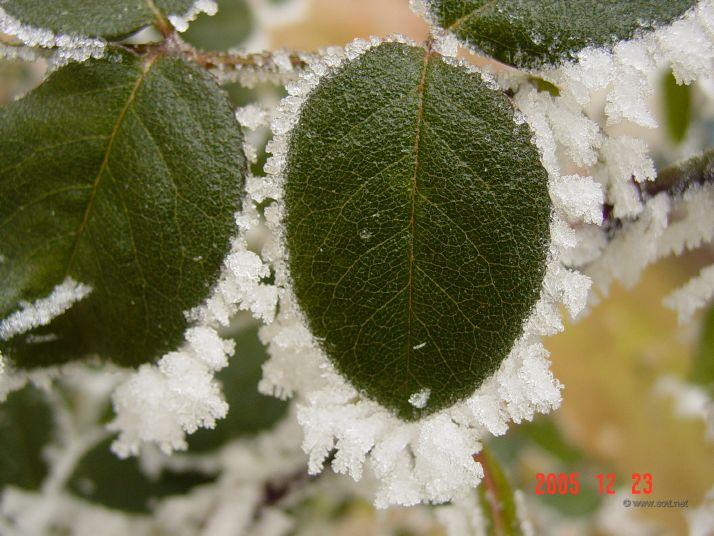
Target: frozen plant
[(398, 232)]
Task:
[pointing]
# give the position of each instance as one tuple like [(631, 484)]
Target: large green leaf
[(417, 225), (123, 174), (25, 429), (529, 33), (94, 18), (103, 478)]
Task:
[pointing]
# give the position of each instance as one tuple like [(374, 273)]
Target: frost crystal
[(160, 403), (42, 311), (68, 47), (420, 399), (181, 22), (693, 296)]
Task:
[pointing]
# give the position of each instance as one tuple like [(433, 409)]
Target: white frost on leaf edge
[(429, 460), (161, 403), (42, 311), (68, 47)]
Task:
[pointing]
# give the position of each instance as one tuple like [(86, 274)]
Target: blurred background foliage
[(613, 419)]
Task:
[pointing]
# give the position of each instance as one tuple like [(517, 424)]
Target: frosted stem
[(673, 180), (236, 60)]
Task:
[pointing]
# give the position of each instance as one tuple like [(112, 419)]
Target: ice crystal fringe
[(42, 311), (161, 403), (430, 460), (67, 47)]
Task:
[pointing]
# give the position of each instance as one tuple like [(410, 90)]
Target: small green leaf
[(123, 174), (417, 226), (677, 107), (25, 429), (530, 33), (94, 18), (250, 412), (101, 477), (703, 367)]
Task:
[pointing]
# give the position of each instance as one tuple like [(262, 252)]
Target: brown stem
[(236, 60)]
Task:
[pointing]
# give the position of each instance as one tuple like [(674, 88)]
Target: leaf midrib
[(412, 211), (105, 161)]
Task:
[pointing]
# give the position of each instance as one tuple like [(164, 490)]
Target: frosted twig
[(673, 180), (234, 59)]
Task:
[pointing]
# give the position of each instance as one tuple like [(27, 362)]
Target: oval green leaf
[(417, 223), (531, 33), (123, 174), (94, 18)]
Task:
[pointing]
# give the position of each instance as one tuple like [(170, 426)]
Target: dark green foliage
[(94, 18), (530, 33), (124, 174), (417, 225), (26, 427), (103, 478)]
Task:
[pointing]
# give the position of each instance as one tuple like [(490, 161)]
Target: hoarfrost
[(161, 403), (181, 22), (694, 295), (580, 197), (420, 399), (42, 311), (252, 116), (68, 47)]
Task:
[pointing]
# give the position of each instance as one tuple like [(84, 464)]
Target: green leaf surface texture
[(123, 174), (417, 225), (531, 33), (93, 18), (26, 427), (103, 478)]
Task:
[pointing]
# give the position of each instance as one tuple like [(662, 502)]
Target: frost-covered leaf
[(101, 477), (94, 18), (122, 175), (249, 411), (529, 33), (417, 226), (25, 429)]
